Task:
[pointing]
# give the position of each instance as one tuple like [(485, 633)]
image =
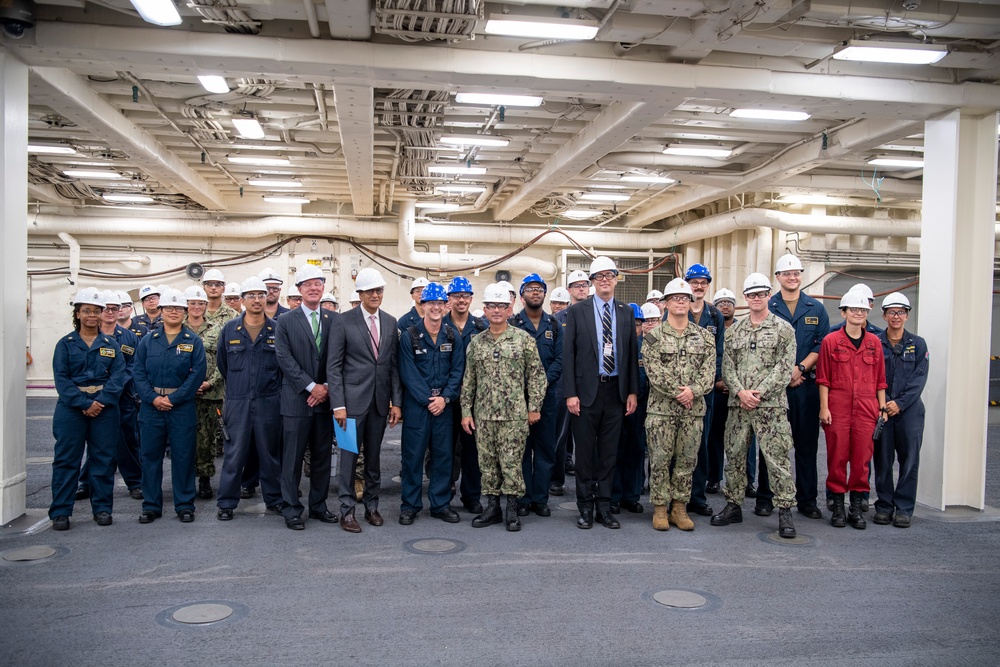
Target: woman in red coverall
[(851, 378)]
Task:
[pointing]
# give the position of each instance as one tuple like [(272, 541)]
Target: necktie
[(315, 325), (609, 356), (374, 334)]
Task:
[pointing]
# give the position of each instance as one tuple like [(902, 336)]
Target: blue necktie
[(609, 358)]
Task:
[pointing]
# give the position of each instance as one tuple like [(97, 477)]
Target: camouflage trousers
[(774, 438), (501, 448), (672, 439), (208, 430)]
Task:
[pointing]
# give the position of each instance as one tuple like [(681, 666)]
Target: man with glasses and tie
[(364, 385), (601, 385)]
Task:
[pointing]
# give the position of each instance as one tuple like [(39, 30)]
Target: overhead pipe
[(125, 259), (311, 18), (74, 256)]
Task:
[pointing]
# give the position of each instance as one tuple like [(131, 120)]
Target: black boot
[(839, 518), (785, 526), (513, 523), (491, 513), (205, 488), (731, 513), (855, 516)]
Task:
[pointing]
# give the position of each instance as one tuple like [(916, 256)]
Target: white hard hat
[(419, 282), (328, 298), (355, 297), (195, 293), (496, 293), (173, 297), (650, 311), (591, 291), (213, 275), (854, 299), (757, 282), (269, 275), (293, 292), (110, 298), (559, 295), (507, 286), (233, 289), (724, 295), (577, 277), (897, 300), (251, 284), (147, 290), (654, 295), (787, 263), (603, 263), (678, 286), (123, 298), (308, 272), (368, 279), (162, 289), (478, 312), (864, 289), (90, 296)]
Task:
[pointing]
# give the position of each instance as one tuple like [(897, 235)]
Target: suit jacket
[(300, 362), (582, 353), (356, 378)]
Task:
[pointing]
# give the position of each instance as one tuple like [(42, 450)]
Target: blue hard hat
[(459, 284), (433, 292), (698, 271), (637, 311), (533, 278)]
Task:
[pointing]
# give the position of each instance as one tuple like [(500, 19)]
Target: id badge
[(609, 349)]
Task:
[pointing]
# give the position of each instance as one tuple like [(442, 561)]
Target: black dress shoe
[(374, 518), (82, 493), (275, 509), (570, 468), (811, 512), (522, 510), (615, 508), (731, 513), (608, 520), (763, 509), (448, 515), (295, 523), (135, 493), (586, 520), (60, 523), (541, 509), (186, 516), (712, 487), (632, 506), (149, 516), (224, 514), (350, 524), (103, 518), (700, 509), (407, 517), (326, 516), (247, 492), (557, 490)]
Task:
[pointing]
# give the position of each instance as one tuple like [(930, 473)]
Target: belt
[(608, 378), (435, 391), (164, 391), (92, 389)]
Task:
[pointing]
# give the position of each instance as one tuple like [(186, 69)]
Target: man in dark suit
[(600, 381), (364, 385), (302, 337)]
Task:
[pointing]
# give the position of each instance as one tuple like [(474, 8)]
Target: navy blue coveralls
[(811, 324), (147, 323), (465, 451), (906, 374), (540, 447), (410, 319), (250, 410), (629, 472), (428, 369), (564, 437), (175, 370), (84, 374)]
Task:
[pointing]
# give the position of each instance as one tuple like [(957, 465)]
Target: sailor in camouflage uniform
[(679, 359), (208, 400), (759, 356), (502, 393)]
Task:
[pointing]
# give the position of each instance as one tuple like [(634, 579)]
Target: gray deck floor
[(551, 594)]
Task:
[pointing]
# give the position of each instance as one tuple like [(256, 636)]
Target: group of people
[(496, 409)]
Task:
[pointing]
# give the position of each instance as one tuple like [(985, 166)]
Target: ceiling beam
[(355, 110)]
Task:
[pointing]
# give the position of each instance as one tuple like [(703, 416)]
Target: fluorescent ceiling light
[(461, 189), (603, 196), (248, 127), (214, 83), (902, 53), (607, 186), (89, 173), (810, 199), (437, 205), (504, 100), (259, 147), (897, 162), (510, 25), (51, 149), (901, 147), (769, 114), (260, 161), (268, 183), (474, 140), (157, 12), (286, 200), (637, 178), (581, 213), (127, 198), (694, 150), (456, 169)]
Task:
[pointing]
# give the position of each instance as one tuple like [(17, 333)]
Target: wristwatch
[(802, 367), (447, 400)]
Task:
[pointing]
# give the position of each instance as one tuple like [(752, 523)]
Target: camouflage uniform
[(759, 358), (498, 375), (207, 404), (672, 360), (219, 319)]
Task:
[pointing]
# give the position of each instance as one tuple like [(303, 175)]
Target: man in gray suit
[(301, 340), (364, 385)]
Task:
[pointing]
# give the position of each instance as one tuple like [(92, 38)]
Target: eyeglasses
[(579, 285), (256, 296), (677, 298), (533, 290), (858, 311), (214, 283), (374, 290), (607, 276), (495, 306), (895, 313), (698, 282), (274, 288), (460, 296), (89, 311), (790, 274), (753, 296), (173, 309), (111, 309)]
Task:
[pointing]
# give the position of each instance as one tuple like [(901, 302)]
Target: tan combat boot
[(679, 517), (660, 521)]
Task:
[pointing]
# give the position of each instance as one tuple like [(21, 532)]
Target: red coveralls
[(853, 377)]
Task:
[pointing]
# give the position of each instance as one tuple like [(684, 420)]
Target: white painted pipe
[(74, 257), (125, 259), (311, 18)]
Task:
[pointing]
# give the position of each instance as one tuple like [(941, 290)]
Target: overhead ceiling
[(356, 95)]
